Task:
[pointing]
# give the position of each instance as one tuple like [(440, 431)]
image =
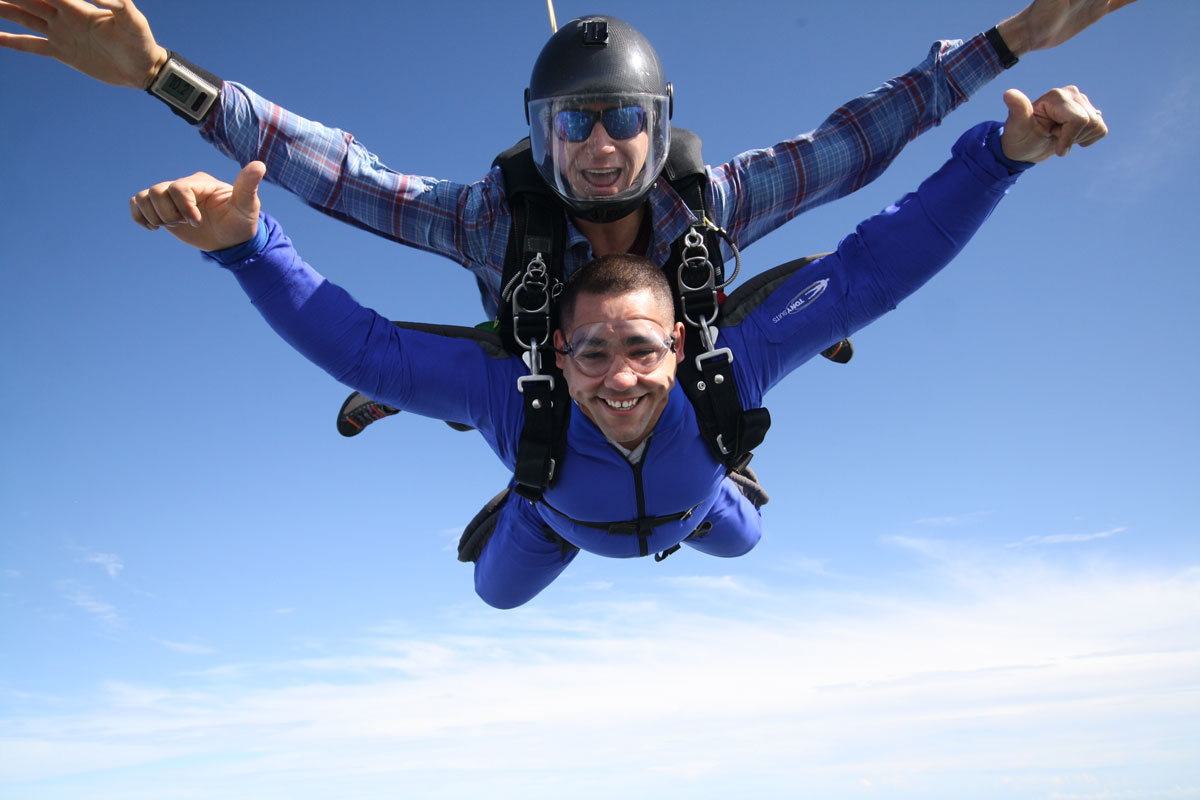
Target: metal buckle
[(521, 381), (725, 351), (534, 280)]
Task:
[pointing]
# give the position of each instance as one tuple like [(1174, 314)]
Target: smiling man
[(636, 476), (600, 150), (614, 354)]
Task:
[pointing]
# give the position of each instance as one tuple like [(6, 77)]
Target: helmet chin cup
[(605, 212)]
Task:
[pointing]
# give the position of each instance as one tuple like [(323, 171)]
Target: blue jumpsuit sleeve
[(887, 258), (445, 373)]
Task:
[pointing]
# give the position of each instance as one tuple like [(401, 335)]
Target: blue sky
[(980, 574)]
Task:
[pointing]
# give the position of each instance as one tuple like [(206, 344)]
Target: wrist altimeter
[(189, 90)]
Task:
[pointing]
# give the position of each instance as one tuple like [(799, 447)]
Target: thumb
[(1020, 109), (245, 188)]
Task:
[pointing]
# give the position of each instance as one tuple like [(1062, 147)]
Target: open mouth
[(621, 405), (602, 178)]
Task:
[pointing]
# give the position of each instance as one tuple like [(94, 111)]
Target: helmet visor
[(595, 150)]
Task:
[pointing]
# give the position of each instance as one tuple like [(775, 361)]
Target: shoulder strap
[(533, 270), (546, 408), (538, 235), (697, 269)]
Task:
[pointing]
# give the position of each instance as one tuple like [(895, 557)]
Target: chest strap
[(641, 527)]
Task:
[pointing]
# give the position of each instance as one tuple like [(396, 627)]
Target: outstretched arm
[(1049, 23), (797, 312), (761, 189), (111, 41), (437, 371)]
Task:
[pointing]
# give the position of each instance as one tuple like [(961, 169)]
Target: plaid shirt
[(750, 196)]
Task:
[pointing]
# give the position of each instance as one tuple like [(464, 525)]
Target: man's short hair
[(614, 274)]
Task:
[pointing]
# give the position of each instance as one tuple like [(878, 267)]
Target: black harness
[(533, 276)]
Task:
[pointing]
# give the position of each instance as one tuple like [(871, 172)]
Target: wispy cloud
[(186, 647), (1021, 681), (710, 583), (1162, 136), (111, 563), (1066, 538), (814, 566), (82, 598), (953, 520)]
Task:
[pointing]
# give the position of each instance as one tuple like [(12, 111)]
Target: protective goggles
[(640, 343), (622, 122)]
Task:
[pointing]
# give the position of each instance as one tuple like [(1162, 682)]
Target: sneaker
[(840, 353), (358, 412)]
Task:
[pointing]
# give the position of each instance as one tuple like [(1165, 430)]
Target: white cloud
[(1067, 538), (186, 647), (111, 563), (1001, 678), (710, 583), (1162, 137), (953, 520), (82, 598), (814, 566)]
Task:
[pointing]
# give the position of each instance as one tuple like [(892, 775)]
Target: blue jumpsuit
[(461, 375)]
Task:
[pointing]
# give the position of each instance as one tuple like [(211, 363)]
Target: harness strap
[(564, 546), (641, 527), (700, 532), (706, 374), (536, 461)]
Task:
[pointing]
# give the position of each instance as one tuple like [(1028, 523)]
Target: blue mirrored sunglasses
[(575, 124)]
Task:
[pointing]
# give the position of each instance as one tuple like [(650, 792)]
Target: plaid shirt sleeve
[(760, 190), (332, 172)]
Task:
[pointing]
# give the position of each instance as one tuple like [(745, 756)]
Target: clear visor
[(640, 343), (598, 149)]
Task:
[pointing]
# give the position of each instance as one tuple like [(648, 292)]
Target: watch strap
[(188, 90), (1006, 56)]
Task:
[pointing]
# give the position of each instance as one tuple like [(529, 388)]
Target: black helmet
[(599, 69)]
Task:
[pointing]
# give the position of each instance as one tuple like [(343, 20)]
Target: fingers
[(24, 44), (1075, 120), (1099, 130), (139, 207), (170, 203), (149, 212), (28, 15)]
